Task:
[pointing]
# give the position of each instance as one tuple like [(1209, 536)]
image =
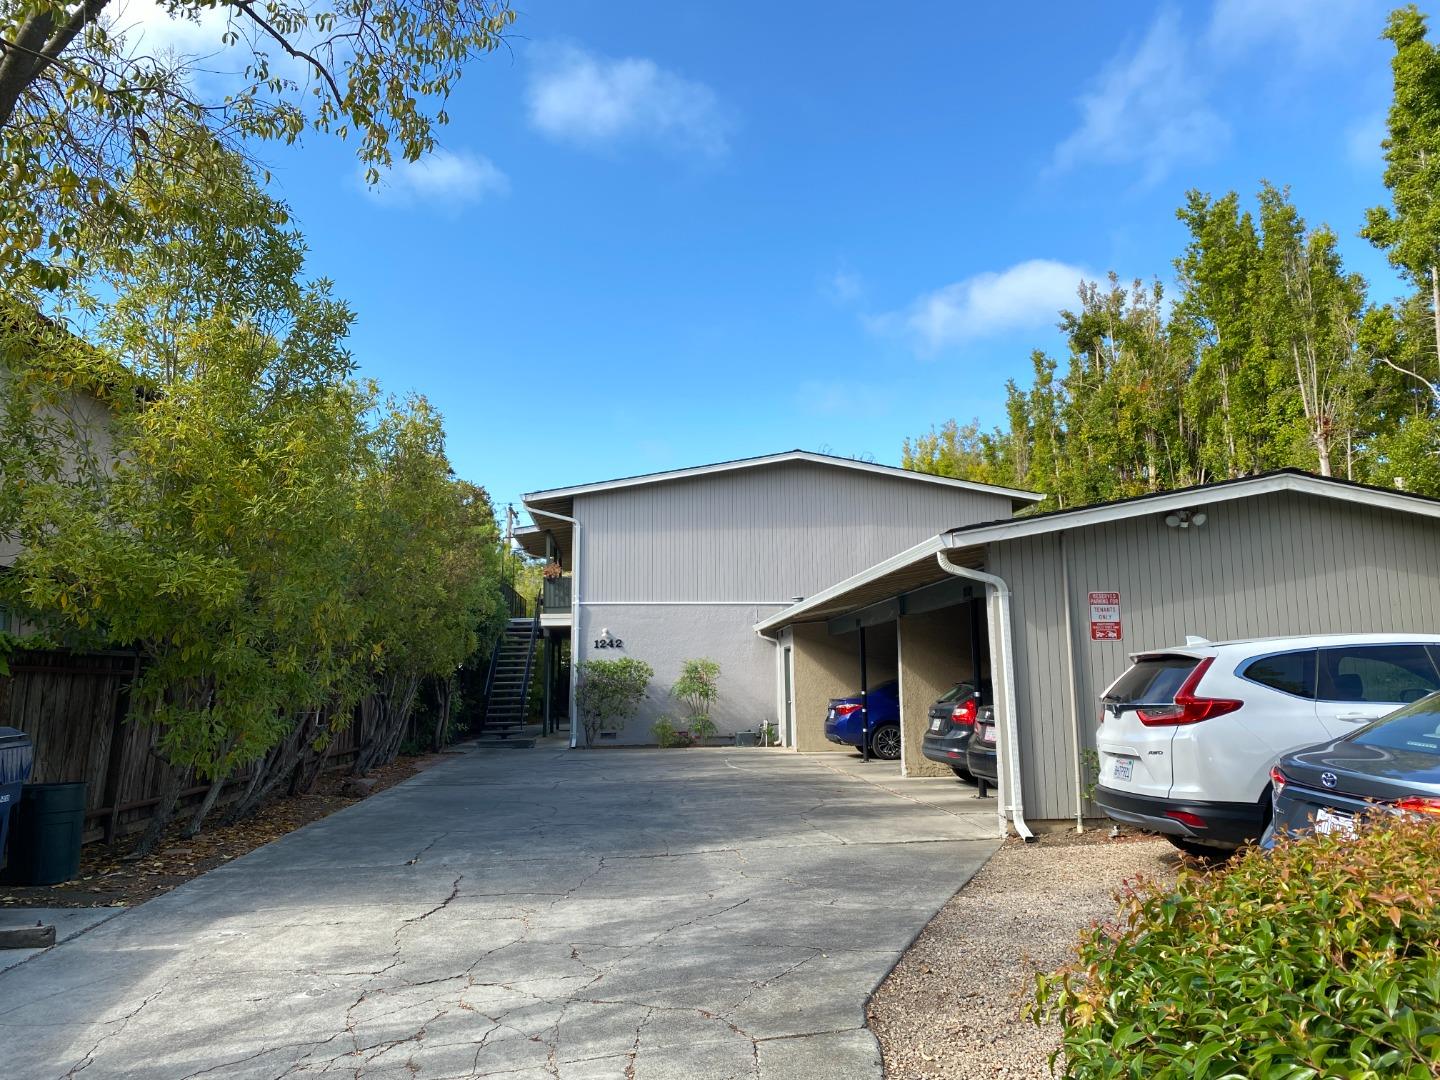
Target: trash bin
[(46, 833), (747, 738), (17, 755)]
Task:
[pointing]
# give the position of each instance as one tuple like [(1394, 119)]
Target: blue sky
[(661, 235)]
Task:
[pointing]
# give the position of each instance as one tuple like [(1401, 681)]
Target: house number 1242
[(609, 643)]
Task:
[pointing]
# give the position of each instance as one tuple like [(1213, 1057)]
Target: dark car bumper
[(1297, 808), (982, 762), (1225, 823), (946, 750)]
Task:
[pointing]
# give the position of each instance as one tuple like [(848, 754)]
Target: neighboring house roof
[(916, 566), (561, 500)]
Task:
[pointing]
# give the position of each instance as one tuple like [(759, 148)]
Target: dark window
[(959, 690), (1151, 681), (1290, 673), (1377, 673), (1415, 727)]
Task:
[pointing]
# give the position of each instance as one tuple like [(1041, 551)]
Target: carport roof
[(917, 566)]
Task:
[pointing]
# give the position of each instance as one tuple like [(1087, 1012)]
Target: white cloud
[(1027, 294), (844, 287), (576, 96), (1147, 109), (149, 28), (442, 178), (1309, 30)]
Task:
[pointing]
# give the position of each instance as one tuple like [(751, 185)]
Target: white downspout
[(1010, 792), (574, 613)]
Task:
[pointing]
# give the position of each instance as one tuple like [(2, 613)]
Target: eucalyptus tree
[(88, 102), (1309, 311), (1213, 320), (1409, 229)]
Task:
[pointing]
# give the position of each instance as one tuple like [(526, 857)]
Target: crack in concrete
[(123, 1022), (416, 857)]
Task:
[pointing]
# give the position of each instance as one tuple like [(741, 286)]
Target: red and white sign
[(1104, 616)]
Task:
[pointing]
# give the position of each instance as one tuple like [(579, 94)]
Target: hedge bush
[(1318, 960)]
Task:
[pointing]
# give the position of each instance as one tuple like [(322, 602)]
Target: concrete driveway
[(547, 913)]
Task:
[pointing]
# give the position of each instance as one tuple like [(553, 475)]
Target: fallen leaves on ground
[(108, 876)]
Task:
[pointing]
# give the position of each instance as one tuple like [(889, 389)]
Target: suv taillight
[(1188, 708), (846, 709), (963, 715)]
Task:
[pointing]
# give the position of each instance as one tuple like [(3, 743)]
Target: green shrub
[(1318, 960), (608, 692), (699, 688), (665, 733)]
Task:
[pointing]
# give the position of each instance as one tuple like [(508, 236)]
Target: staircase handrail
[(490, 677), (529, 662)]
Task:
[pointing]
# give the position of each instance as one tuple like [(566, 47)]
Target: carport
[(1061, 599), (914, 622)]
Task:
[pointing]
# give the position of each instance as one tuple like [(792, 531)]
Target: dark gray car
[(1392, 764)]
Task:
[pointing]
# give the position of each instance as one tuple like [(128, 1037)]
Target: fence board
[(67, 703)]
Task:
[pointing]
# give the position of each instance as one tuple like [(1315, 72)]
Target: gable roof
[(778, 459), (917, 566)]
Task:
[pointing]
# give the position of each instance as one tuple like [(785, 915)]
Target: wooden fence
[(74, 709)]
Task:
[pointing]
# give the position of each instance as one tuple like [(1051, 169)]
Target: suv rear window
[(1415, 727), (1377, 673), (1151, 680), (1290, 673)]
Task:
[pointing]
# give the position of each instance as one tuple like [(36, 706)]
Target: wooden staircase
[(507, 689)]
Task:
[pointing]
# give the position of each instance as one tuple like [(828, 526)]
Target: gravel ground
[(951, 1008)]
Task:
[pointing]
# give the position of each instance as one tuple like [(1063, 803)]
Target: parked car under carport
[(952, 725)]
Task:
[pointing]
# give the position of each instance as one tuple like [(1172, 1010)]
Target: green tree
[(1409, 230), (86, 106), (278, 542), (1309, 312)]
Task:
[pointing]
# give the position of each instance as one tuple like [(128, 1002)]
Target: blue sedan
[(874, 716)]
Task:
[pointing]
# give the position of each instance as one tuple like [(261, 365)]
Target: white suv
[(1188, 735)]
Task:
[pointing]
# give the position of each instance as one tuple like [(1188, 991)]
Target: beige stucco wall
[(828, 666), (934, 655), (825, 667)]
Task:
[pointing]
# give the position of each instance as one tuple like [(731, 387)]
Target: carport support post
[(864, 704)]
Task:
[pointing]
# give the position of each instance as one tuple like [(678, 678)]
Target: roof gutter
[(574, 610), (1011, 797)]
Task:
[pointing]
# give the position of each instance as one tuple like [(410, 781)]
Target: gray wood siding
[(762, 534), (1259, 567)]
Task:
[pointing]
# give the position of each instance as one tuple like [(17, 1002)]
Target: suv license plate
[(1328, 822), (1121, 767), (935, 724), (988, 734)]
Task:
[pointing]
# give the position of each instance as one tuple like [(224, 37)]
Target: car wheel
[(885, 743), (963, 774), (1202, 851)]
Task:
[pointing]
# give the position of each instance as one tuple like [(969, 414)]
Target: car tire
[(1199, 850), (885, 743), (963, 774)]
